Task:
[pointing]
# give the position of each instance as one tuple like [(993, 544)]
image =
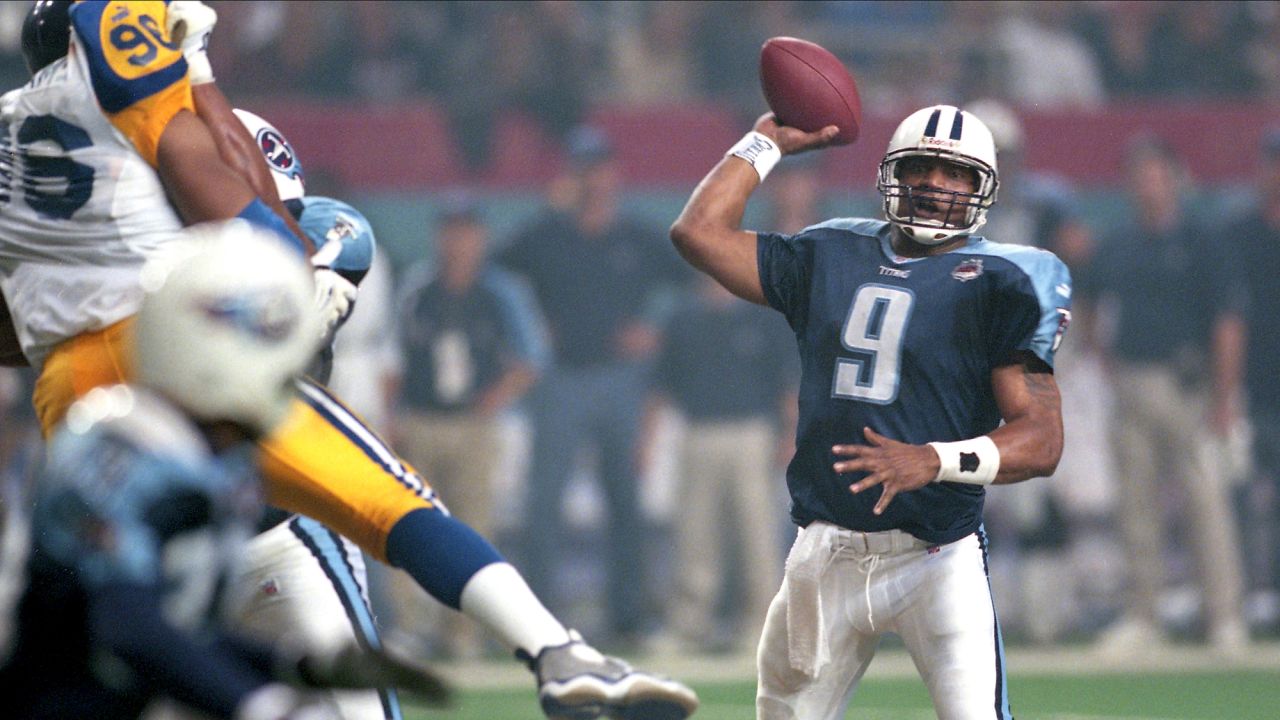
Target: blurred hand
[(637, 341), (793, 140), (352, 668)]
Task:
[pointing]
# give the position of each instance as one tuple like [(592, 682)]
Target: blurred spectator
[(794, 194), (536, 58), (266, 48), (473, 343), (595, 273), (726, 368), (1262, 49), (366, 354), (1200, 52), (1174, 356), (653, 54), (1051, 531), (1121, 35), (1256, 241), (1045, 64), (728, 40)]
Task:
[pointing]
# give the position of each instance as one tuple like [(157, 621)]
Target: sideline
[(895, 663)]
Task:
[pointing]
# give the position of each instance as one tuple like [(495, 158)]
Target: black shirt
[(726, 362), (591, 287)]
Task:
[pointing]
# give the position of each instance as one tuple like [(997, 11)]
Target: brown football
[(808, 88)]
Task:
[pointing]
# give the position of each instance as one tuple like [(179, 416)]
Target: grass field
[(1060, 686)]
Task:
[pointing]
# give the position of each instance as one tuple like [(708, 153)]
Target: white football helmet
[(286, 169), (945, 132), (227, 324)]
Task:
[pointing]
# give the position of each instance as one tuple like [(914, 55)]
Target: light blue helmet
[(342, 236)]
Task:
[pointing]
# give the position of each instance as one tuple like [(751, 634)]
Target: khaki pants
[(726, 476), (459, 453), (1160, 438)]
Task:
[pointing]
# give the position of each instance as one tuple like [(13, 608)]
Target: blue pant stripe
[(1003, 711), (327, 550), (359, 434)]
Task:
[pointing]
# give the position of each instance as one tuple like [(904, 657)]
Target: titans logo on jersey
[(905, 346)]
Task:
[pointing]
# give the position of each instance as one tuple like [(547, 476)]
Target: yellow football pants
[(323, 461)]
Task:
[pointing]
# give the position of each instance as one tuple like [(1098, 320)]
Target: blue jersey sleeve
[(1032, 306), (786, 266)]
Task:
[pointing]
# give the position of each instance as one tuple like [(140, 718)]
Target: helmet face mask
[(945, 133)]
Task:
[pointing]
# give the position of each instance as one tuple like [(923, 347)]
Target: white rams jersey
[(81, 205)]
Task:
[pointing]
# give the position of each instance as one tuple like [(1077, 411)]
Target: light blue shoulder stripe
[(860, 226), (1050, 279)]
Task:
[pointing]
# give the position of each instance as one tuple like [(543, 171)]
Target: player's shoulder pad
[(865, 227), (1047, 272), (128, 50), (342, 236)]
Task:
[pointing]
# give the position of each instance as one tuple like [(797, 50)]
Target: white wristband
[(759, 150), (974, 461)]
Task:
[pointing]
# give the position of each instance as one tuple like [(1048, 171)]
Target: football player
[(114, 161), (917, 338), (149, 493)]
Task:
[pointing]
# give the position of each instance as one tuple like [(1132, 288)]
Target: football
[(808, 88)]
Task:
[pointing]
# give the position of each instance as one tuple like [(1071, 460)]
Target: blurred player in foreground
[(149, 494), (106, 132), (916, 339)]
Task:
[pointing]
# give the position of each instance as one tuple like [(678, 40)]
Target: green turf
[(1170, 696)]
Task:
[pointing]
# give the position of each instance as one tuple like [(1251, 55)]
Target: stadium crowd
[(1067, 542)]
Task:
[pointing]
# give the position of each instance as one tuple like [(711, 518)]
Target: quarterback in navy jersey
[(927, 374)]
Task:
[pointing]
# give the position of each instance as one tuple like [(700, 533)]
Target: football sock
[(441, 553), (499, 598)]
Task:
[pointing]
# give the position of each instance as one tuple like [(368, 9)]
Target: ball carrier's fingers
[(794, 140), (895, 466)]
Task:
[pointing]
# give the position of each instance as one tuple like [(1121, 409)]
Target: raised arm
[(709, 231), (199, 183), (190, 25)]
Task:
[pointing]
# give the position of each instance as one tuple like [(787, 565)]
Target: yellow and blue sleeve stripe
[(138, 74)]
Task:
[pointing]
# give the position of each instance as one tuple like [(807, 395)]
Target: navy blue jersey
[(134, 531), (458, 344), (905, 346)]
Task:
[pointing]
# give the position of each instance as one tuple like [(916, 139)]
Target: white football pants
[(303, 581), (843, 590)]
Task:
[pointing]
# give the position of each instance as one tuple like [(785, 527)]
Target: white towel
[(808, 560)]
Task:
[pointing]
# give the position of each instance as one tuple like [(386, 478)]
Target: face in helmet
[(227, 325), (46, 33), (286, 170), (938, 177)]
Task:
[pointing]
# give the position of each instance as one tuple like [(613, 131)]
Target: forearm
[(1029, 447), (1030, 441), (127, 620), (708, 231), (510, 387), (1229, 338), (239, 151)]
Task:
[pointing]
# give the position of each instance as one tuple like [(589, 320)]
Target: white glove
[(335, 296), (276, 701), (190, 23)]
